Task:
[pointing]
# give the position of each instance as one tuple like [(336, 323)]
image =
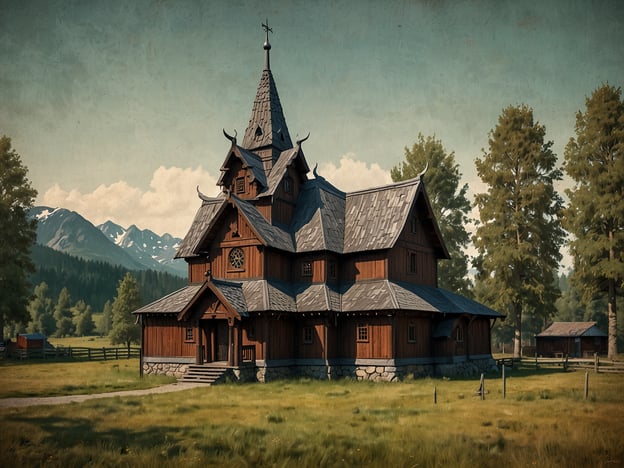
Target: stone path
[(62, 400)]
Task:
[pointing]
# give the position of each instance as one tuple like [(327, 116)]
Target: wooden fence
[(564, 363), (78, 353)]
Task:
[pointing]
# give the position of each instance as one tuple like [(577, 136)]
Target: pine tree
[(448, 201), (595, 217), (519, 234), (63, 315), (124, 329), (41, 310), (17, 235)]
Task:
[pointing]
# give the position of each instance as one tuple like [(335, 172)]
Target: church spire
[(267, 133)]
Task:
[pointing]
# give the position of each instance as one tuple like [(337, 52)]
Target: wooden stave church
[(291, 276)]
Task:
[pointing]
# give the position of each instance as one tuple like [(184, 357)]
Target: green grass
[(84, 342), (341, 423), (31, 378)]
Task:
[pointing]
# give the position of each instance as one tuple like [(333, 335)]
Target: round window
[(237, 258)]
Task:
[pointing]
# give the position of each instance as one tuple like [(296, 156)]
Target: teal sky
[(117, 107)]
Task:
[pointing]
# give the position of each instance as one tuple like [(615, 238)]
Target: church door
[(222, 341)]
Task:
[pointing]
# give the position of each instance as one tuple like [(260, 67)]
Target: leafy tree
[(595, 217), (42, 311), (17, 235), (63, 315), (83, 319), (448, 201), (106, 322), (519, 234), (125, 330)]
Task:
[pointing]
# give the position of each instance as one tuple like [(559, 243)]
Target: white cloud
[(352, 174), (169, 205)]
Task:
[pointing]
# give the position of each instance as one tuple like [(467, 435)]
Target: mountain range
[(133, 248)]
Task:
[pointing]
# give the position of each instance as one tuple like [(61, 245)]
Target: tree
[(106, 321), (17, 235), (519, 234), (595, 216), (125, 330), (83, 319), (63, 315), (448, 201), (42, 311)]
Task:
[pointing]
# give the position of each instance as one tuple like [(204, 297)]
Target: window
[(459, 334), (413, 264), (331, 270), (240, 185), (411, 333), (414, 224), (306, 268), (237, 258), (307, 335), (251, 331), (288, 185), (189, 334), (362, 332)]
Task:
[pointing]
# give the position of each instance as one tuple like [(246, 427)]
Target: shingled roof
[(571, 329), (267, 125), (204, 218), (277, 296)]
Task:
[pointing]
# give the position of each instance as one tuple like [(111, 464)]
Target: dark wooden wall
[(166, 337)]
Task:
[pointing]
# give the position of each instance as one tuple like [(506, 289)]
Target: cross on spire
[(267, 44)]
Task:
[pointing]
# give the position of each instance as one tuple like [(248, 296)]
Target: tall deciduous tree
[(519, 234), (17, 235), (595, 217), (448, 201), (63, 315), (42, 311), (124, 329)]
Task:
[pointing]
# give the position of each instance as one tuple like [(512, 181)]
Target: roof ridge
[(403, 183)]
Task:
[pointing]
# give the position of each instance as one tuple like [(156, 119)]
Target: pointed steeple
[(267, 133)]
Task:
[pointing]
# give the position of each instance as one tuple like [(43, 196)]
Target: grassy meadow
[(544, 421)]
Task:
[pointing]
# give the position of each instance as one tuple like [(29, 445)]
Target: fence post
[(586, 384), (116, 353), (482, 387), (435, 395), (504, 382), (104, 350), (565, 363), (89, 353), (596, 362), (536, 361)]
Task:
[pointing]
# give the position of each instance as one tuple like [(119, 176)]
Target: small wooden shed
[(31, 341), (574, 339)]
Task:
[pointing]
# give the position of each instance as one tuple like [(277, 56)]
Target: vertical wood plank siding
[(165, 337)]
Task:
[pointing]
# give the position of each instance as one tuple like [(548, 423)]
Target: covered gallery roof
[(277, 296)]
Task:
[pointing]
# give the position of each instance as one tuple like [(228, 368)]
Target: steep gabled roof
[(204, 219), (374, 218), (279, 169), (319, 217), (249, 160), (571, 330), (269, 234)]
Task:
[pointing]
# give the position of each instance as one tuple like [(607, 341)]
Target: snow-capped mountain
[(147, 247), (67, 231)]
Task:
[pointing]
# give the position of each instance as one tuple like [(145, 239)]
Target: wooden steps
[(204, 374)]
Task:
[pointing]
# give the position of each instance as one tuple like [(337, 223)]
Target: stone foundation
[(378, 370), (173, 369)]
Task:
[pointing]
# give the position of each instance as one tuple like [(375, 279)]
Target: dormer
[(242, 173)]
